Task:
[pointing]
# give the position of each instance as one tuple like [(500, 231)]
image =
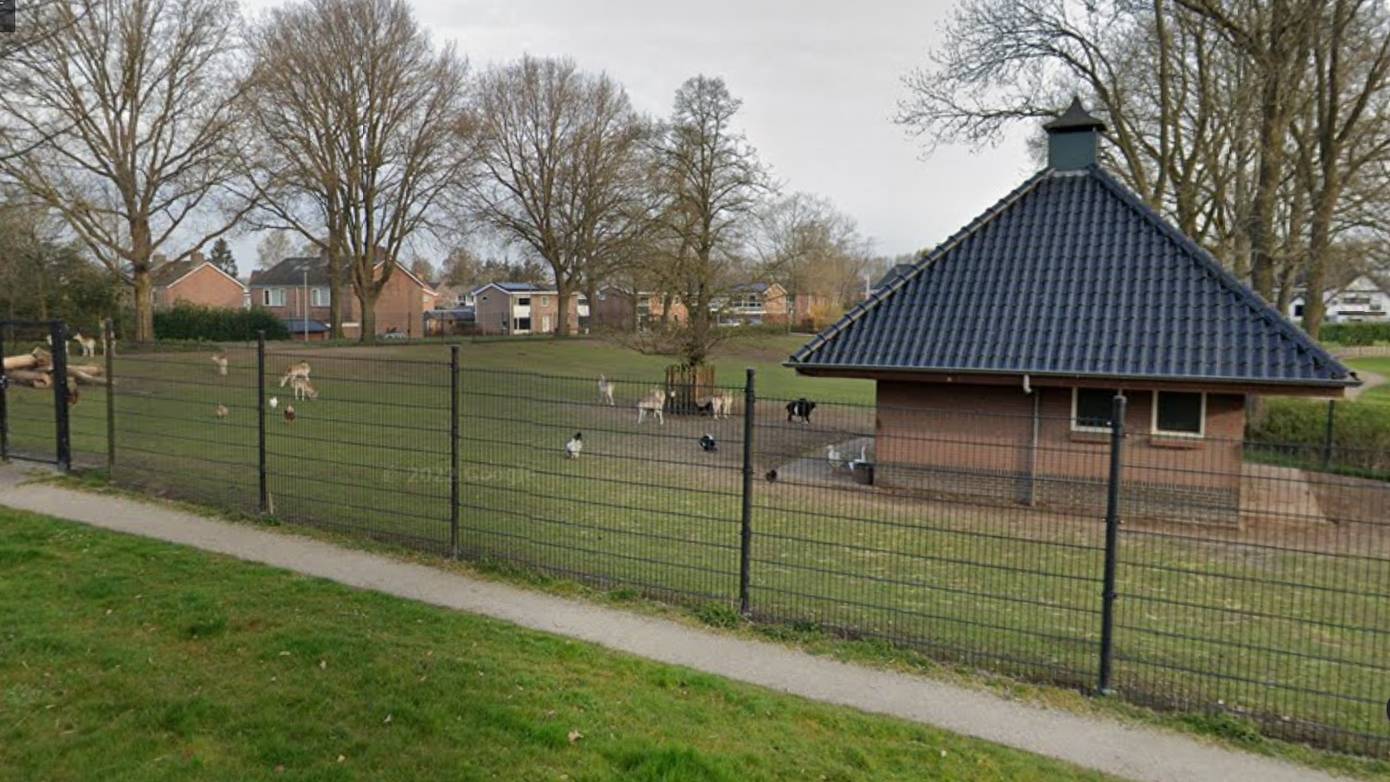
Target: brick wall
[(204, 286), (975, 440)]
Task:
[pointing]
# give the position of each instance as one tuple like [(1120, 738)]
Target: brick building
[(997, 355), (620, 308), (296, 290), (197, 281), (524, 308)]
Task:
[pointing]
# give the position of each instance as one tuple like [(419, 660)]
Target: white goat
[(653, 403), (605, 390)]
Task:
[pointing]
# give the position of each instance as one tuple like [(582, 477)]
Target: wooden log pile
[(35, 369)]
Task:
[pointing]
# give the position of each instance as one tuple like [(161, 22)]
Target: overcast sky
[(819, 80)]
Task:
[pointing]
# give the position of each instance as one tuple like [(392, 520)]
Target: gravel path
[(1130, 751)]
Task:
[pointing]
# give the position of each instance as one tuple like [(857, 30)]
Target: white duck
[(836, 459)]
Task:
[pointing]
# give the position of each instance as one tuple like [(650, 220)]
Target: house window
[(545, 301), (1091, 409), (1179, 413), (273, 297), (523, 324), (524, 301), (318, 297), (1298, 310)]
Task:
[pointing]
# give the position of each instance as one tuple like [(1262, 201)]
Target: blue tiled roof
[(1071, 275)]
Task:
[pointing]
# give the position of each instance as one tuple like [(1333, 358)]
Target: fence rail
[(1201, 574)]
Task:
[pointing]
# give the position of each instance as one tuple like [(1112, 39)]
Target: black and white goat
[(800, 410)]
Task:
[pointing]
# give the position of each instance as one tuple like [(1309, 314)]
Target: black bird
[(771, 476), (708, 444)]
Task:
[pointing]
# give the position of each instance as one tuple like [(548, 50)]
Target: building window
[(273, 297), (523, 324), (545, 301), (524, 301), (1298, 310), (1180, 413), (318, 297), (1091, 408)]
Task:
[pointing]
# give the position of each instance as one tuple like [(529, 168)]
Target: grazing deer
[(653, 403), (300, 370), (303, 389), (88, 345), (220, 359), (605, 390)]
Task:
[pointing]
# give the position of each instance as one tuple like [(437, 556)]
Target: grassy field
[(1285, 626), (130, 659)]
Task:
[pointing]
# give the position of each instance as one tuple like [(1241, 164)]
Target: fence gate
[(34, 395)]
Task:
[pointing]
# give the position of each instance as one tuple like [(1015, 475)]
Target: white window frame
[(267, 300), (1076, 426), (1201, 425), (545, 301), (320, 296)]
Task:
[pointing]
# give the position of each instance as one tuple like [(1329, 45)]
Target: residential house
[(998, 354), (621, 308), (196, 281), (753, 303), (296, 290), (1365, 299), (524, 308)]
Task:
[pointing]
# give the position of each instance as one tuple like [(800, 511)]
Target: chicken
[(274, 402), (289, 414), (574, 446), (708, 444), (222, 412)]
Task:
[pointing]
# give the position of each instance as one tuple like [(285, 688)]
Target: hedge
[(214, 324), (1352, 334), (1294, 432)]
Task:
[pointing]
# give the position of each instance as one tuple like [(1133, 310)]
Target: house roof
[(461, 314), (1072, 275), (892, 274), (291, 272), (170, 273), (516, 287)]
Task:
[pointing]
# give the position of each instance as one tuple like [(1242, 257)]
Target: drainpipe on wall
[(1030, 493)]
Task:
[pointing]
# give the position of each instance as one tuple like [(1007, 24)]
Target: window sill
[(1176, 442), (1100, 438)]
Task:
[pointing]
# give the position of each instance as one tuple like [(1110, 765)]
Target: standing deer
[(653, 403), (605, 390), (300, 370)]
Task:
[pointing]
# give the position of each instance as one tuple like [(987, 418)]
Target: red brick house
[(296, 290), (620, 308), (197, 281), (998, 354)]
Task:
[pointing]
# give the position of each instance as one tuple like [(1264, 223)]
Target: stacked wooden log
[(35, 369)]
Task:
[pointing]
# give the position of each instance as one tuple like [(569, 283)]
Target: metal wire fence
[(1183, 572)]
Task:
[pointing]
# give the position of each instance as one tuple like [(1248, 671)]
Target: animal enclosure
[(1282, 619)]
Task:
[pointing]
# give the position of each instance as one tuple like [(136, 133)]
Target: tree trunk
[(562, 324), (1319, 242), (367, 303), (144, 305)]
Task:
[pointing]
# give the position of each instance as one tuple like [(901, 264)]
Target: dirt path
[(1369, 380), (1129, 751)]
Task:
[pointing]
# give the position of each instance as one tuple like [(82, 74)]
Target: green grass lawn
[(1380, 395), (1285, 627), (128, 659)]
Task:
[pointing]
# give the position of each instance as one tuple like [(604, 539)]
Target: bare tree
[(712, 182), (357, 144), (125, 118), (274, 247), (1346, 127), (558, 153)]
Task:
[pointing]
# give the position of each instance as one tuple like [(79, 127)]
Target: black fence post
[(1112, 539), (746, 530), (58, 333), (1327, 435), (454, 451), (260, 422), (4, 400), (109, 340)]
